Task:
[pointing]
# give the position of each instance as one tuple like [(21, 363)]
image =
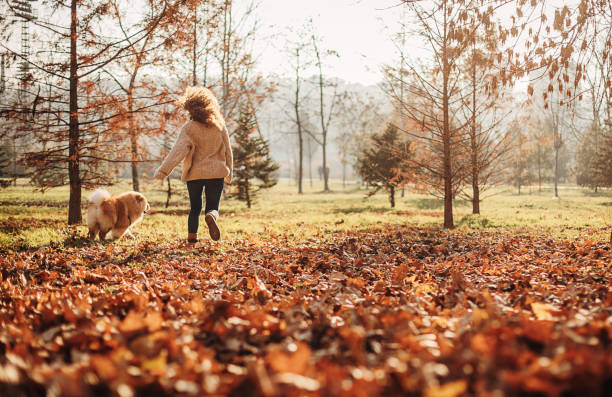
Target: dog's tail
[(98, 196)]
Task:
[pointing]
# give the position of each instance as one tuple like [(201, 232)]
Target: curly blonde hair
[(202, 105)]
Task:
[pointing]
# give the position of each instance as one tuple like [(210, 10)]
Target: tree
[(575, 34), (198, 42), (5, 160), (555, 121), (224, 52), (426, 93), (297, 116), (358, 115), (326, 112), (519, 165), (76, 55), (254, 169), (597, 73), (382, 165), (482, 110), (540, 153), (556, 47), (602, 169), (587, 156), (141, 95)]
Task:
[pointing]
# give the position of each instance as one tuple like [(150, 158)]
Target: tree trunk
[(248, 196), (168, 192), (322, 115), (446, 138), (133, 143), (556, 172), (74, 206), (475, 199), (474, 145), (15, 158), (325, 168), (324, 143), (194, 49), (300, 161), (539, 169), (519, 171), (310, 162), (557, 145), (299, 122), (392, 196), (225, 59)]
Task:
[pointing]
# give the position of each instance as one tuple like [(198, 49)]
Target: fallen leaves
[(386, 312), (542, 311), (450, 389), (292, 358)]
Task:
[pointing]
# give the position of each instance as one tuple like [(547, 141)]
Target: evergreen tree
[(383, 164), (254, 169), (587, 155), (603, 164), (5, 161)]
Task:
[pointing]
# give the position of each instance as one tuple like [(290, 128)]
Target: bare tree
[(540, 154), (435, 93), (555, 120), (299, 51), (140, 91), (326, 111), (235, 58), (483, 110), (431, 94)]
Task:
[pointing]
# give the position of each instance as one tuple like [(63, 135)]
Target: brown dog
[(115, 214)]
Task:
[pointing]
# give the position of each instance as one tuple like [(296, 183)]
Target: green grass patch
[(29, 218)]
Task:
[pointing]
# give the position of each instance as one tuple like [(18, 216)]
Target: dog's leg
[(118, 233), (93, 231), (102, 234)]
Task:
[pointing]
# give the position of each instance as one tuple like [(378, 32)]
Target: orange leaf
[(450, 389)]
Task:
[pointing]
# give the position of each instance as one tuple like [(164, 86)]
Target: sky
[(351, 27)]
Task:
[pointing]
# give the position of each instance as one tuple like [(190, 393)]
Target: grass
[(29, 218)]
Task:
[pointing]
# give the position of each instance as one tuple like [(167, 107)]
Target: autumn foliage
[(400, 311)]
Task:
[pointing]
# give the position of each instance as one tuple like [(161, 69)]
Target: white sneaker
[(211, 222)]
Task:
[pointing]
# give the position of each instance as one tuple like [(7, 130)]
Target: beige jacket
[(206, 152)]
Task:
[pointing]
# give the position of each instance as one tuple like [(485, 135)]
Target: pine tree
[(603, 164), (5, 161), (587, 156), (254, 169), (382, 164)]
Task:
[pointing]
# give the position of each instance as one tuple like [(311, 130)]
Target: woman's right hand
[(159, 175)]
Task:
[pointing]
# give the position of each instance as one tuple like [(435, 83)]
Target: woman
[(203, 144)]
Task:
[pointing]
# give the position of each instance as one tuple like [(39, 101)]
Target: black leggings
[(213, 189)]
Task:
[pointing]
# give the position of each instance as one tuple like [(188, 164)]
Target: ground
[(319, 294)]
